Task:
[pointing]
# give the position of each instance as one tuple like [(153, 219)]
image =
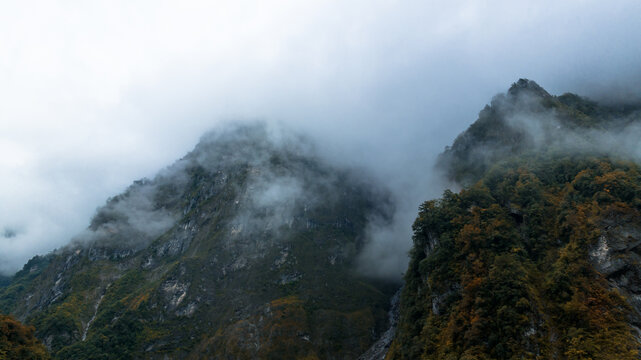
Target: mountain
[(247, 248), (243, 249), (527, 120), (537, 257)]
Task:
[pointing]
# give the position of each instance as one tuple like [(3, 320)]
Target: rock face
[(245, 248), (538, 257), (616, 255), (378, 351)]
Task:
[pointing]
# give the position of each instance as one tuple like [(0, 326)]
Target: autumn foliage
[(502, 269), (18, 342)]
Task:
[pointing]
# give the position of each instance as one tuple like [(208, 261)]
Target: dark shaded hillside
[(538, 256), (243, 249)]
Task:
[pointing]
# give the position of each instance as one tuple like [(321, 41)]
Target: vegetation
[(17, 341), (501, 270), (529, 120), (508, 268)]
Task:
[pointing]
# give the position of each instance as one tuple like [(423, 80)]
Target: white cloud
[(96, 94)]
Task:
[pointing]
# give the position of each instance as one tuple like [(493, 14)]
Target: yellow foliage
[(135, 302)]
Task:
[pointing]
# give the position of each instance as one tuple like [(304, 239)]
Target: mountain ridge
[(248, 247), (536, 256), (244, 248)]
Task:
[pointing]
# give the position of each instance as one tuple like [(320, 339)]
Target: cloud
[(546, 130), (97, 94)]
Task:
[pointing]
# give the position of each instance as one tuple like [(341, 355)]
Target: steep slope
[(538, 256), (242, 249)]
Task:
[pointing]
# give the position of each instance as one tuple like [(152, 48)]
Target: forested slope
[(538, 256)]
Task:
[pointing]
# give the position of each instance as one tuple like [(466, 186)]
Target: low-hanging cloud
[(98, 94), (528, 120), (129, 221), (616, 136)]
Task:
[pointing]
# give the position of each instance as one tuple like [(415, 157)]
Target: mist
[(547, 129), (95, 96)]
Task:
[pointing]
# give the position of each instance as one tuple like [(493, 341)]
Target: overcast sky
[(94, 95)]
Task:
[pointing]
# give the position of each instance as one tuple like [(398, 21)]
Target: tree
[(17, 341)]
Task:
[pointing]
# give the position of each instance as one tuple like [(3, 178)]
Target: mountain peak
[(251, 238), (526, 86)]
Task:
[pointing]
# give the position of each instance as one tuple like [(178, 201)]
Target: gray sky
[(97, 94)]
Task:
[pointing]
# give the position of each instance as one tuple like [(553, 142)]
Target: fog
[(546, 130), (95, 95)]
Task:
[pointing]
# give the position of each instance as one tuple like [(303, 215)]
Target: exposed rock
[(175, 292), (615, 256), (290, 278), (379, 349)]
